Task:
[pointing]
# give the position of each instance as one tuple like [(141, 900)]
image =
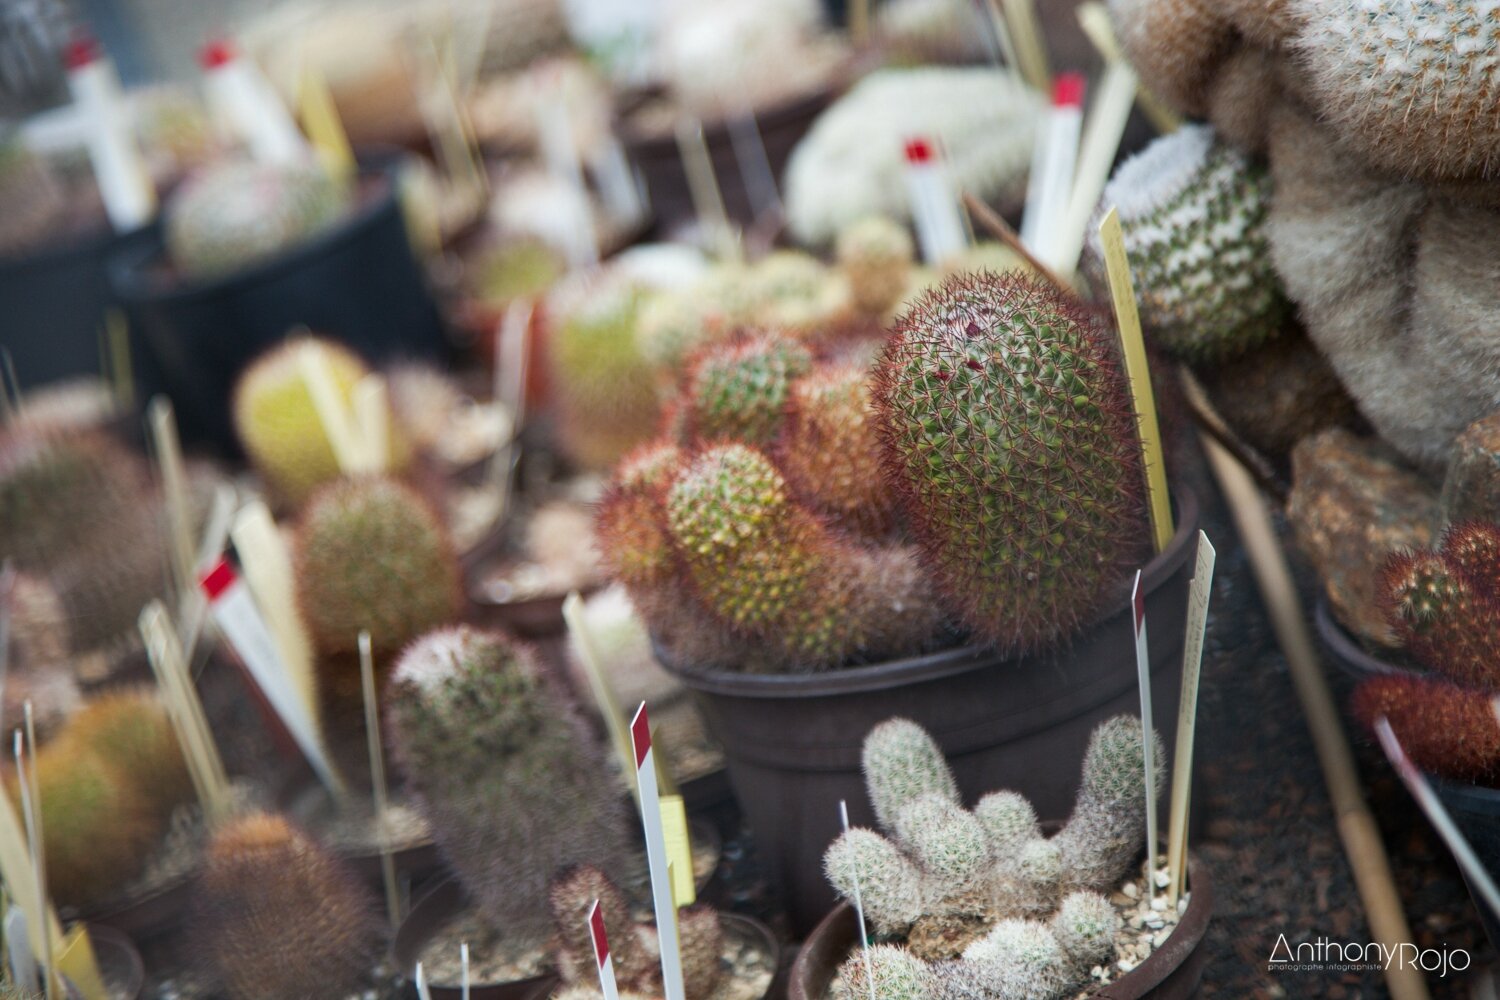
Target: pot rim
[(1347, 649), (1154, 970), (944, 662), (130, 270)]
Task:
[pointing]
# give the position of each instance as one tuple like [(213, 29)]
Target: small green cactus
[(1009, 432), (1193, 213), (740, 390), (279, 916), (129, 728), (876, 255), (513, 783), (238, 213), (369, 554), (605, 388)]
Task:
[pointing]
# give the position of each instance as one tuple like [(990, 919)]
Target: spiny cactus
[(1009, 433), (277, 423), (1192, 211), (891, 973), (279, 916), (1408, 85), (235, 214), (943, 877), (512, 782), (1445, 604), (38, 669), (130, 729), (370, 555), (740, 390), (1446, 729), (605, 388), (31, 199), (876, 256), (830, 449), (633, 945)]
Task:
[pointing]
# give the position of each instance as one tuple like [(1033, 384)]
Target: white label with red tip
[(934, 208), (1148, 729), (1051, 181), (124, 184), (656, 856), (237, 615), (602, 961), (239, 94)]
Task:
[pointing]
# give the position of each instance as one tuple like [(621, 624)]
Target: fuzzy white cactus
[(1192, 210)]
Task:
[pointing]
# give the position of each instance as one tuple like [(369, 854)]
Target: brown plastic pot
[(1346, 651), (1171, 972), (792, 742)]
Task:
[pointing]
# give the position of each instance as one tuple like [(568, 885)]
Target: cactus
[(1445, 729), (740, 390), (1192, 211), (1406, 85), (36, 655), (129, 728), (522, 269), (943, 878), (370, 555), (605, 387), (279, 916), (277, 423), (1445, 605), (890, 974), (830, 449), (31, 199), (1008, 430), (512, 782), (876, 256), (235, 214)]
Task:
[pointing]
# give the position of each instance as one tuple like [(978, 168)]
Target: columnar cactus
[(238, 213), (740, 390), (876, 255), (633, 944), (1009, 434), (1192, 211), (511, 780), (943, 876), (370, 555), (279, 916), (277, 423)]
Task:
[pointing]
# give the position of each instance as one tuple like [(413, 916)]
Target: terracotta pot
[(792, 742), (1171, 972)]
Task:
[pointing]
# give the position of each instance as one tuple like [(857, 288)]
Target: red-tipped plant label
[(606, 967), (657, 857), (640, 735)]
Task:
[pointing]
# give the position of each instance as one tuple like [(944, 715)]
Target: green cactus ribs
[(1008, 431)]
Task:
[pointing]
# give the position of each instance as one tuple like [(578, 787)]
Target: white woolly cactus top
[(438, 657), (1161, 172)]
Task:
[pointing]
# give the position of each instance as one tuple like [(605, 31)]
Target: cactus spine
[(1008, 432)]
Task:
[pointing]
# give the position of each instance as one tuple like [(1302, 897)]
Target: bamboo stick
[(1357, 828)]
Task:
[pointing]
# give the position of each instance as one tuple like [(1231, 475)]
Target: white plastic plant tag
[(602, 960), (934, 207), (656, 856)]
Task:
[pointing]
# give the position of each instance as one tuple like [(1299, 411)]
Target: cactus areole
[(1009, 437)]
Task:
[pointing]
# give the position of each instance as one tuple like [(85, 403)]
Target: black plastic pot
[(360, 282), (1476, 810), (792, 742), (1171, 972), (53, 302)]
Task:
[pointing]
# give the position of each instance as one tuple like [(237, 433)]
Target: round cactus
[(235, 214), (1446, 604), (1009, 433), (876, 255), (830, 449), (889, 886), (1086, 925), (1445, 729), (277, 423), (889, 972), (38, 669), (1008, 819), (280, 916), (571, 896), (511, 780), (605, 388), (740, 390), (1409, 85), (1192, 210), (370, 555), (130, 729), (631, 523)]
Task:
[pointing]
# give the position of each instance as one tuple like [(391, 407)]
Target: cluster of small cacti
[(277, 422), (849, 165), (978, 903), (634, 946), (277, 915), (1009, 434), (513, 784), (108, 783), (31, 198), (237, 213), (80, 511), (1445, 606), (370, 554), (1192, 211), (997, 423)]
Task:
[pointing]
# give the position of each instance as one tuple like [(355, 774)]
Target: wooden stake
[(372, 420), (121, 375), (1153, 458), (1031, 51), (186, 712), (26, 779), (377, 779), (324, 127), (168, 450), (997, 227), (1357, 828)]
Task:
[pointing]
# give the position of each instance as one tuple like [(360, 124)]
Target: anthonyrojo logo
[(1323, 955)]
